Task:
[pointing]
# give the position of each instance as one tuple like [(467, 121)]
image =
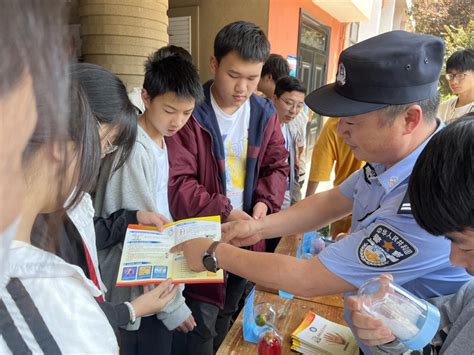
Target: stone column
[(120, 34)]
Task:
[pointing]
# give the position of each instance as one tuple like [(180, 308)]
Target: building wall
[(215, 14), (120, 34), (401, 20), (386, 18), (283, 29), (387, 15), (371, 27)]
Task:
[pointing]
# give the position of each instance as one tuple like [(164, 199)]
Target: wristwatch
[(209, 259)]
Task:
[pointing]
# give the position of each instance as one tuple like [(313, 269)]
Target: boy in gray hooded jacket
[(170, 91)]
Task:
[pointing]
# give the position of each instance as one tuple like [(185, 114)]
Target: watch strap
[(212, 248)]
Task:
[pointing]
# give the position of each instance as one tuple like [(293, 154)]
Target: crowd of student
[(80, 162)]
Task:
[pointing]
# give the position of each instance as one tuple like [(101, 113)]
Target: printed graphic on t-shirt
[(236, 153), (234, 132), (384, 247)]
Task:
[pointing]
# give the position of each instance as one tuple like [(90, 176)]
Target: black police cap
[(393, 68)]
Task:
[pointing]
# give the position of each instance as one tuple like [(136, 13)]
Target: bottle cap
[(427, 330)]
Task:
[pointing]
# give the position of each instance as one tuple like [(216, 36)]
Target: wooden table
[(290, 313), (288, 246)]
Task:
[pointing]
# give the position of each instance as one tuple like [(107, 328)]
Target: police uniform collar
[(399, 172)]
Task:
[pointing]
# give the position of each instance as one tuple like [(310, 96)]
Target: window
[(353, 33), (179, 30)]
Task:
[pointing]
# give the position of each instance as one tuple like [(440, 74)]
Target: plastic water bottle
[(412, 320)]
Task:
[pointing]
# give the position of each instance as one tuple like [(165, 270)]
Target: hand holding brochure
[(146, 258)]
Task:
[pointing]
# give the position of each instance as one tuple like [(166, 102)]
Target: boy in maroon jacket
[(228, 160)]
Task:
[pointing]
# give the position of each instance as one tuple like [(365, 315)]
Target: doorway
[(313, 53)]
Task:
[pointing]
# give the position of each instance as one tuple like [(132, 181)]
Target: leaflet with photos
[(146, 258)]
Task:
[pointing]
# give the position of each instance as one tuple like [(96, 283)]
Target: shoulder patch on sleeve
[(384, 247), (405, 206)]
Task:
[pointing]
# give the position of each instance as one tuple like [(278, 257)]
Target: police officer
[(386, 97)]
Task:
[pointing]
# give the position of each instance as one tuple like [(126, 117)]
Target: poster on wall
[(292, 60)]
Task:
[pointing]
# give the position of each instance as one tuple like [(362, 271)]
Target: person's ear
[(274, 98), (61, 152), (146, 99), (412, 118), (214, 64), (57, 152)]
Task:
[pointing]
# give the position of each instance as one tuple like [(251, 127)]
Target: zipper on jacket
[(212, 151)]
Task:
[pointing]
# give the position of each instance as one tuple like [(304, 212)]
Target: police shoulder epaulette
[(405, 206)]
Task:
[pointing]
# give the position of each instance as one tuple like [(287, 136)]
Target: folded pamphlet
[(146, 258), (317, 335)]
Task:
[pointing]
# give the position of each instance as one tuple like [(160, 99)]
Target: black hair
[(82, 131), (82, 128), (245, 38), (461, 60), (441, 186), (288, 84), (169, 70), (172, 50), (108, 99), (276, 66)]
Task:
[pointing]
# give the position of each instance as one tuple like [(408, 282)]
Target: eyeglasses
[(457, 76), (292, 104), (109, 148)]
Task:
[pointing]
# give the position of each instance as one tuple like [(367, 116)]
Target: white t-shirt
[(234, 131), (161, 198), (448, 111), (297, 129), (285, 130)]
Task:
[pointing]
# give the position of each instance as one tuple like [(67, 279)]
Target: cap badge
[(341, 74)]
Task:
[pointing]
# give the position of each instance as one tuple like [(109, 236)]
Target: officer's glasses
[(109, 147), (456, 76)]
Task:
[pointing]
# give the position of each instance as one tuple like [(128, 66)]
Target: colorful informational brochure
[(146, 258), (317, 335)]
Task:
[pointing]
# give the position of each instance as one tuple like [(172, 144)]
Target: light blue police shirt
[(386, 238)]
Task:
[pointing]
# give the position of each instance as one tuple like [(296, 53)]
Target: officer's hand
[(371, 331), (193, 250)]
